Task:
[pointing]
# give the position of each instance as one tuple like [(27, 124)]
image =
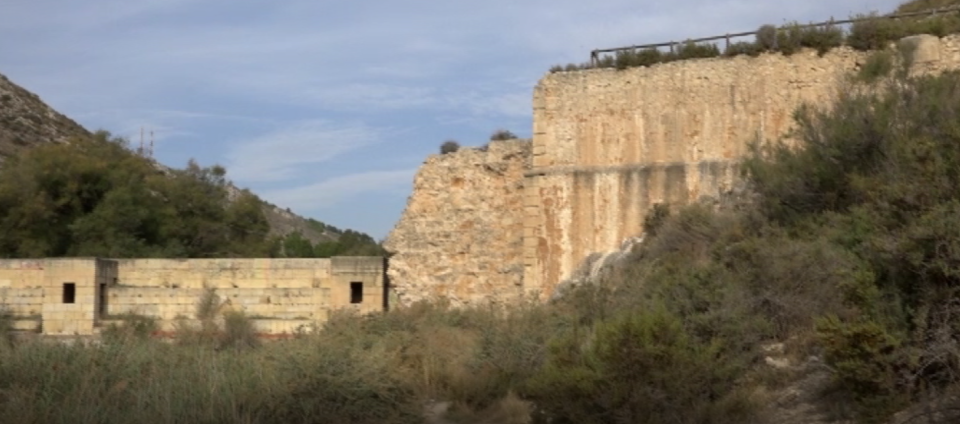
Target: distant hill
[(26, 121)]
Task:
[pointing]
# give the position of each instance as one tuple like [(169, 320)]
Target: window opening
[(356, 292), (69, 293)]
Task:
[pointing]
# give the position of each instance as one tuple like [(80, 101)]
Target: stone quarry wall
[(607, 145), (461, 235)]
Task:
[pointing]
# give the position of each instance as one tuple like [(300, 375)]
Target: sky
[(329, 107)]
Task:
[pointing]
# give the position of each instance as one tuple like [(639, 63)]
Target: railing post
[(728, 42)]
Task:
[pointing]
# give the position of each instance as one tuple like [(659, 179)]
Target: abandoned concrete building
[(80, 296)]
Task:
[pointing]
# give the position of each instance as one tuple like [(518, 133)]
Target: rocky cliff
[(607, 145), (461, 235)]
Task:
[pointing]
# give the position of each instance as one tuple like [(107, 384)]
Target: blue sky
[(329, 107)]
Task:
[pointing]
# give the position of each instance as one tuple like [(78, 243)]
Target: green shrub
[(629, 59), (239, 332), (655, 218), (637, 368), (502, 134), (449, 146), (822, 38), (790, 38), (606, 61), (6, 328), (875, 175), (767, 38), (743, 48), (940, 25), (132, 326), (874, 32), (878, 65), (556, 68), (335, 383), (691, 50), (866, 360)]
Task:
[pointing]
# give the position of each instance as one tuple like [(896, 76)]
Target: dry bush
[(449, 146), (767, 37), (239, 331), (502, 135), (874, 32)]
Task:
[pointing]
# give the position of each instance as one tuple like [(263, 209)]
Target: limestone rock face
[(461, 235), (609, 144)]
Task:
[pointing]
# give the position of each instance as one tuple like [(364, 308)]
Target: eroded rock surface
[(461, 235)]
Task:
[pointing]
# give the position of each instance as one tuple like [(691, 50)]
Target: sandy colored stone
[(607, 145), (612, 143), (461, 235)]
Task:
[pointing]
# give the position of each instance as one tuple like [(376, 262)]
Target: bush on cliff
[(766, 37), (449, 146), (872, 32), (502, 135)]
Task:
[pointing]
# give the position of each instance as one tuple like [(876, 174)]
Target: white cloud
[(283, 154), (326, 194)]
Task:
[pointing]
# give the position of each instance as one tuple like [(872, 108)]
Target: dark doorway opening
[(102, 306), (356, 292), (69, 293)]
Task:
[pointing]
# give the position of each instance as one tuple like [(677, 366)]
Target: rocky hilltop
[(26, 121), (460, 237)]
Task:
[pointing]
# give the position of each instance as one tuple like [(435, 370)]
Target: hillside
[(27, 122)]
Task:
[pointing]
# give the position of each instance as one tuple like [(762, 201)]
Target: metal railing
[(595, 54)]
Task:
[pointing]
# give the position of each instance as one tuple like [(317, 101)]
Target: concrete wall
[(280, 294)]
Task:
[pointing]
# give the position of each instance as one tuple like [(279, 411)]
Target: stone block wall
[(21, 290), (76, 296), (70, 296)]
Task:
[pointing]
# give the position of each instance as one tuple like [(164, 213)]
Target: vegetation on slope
[(94, 196), (922, 5), (27, 122), (872, 32)]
